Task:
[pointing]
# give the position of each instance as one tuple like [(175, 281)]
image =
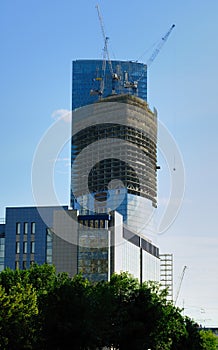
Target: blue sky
[(39, 40)]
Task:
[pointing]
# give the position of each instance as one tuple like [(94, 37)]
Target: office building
[(28, 236), (99, 245), (94, 245), (113, 185)]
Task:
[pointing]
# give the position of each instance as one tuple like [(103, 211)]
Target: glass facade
[(94, 248), (87, 75), (105, 246)]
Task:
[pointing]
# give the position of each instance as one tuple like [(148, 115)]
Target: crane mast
[(127, 84), (114, 76), (105, 38), (180, 283)]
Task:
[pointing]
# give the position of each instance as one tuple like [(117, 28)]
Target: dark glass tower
[(114, 136), (88, 75)]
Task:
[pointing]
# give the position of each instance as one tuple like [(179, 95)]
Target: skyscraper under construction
[(114, 136)]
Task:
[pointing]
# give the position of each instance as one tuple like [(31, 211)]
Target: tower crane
[(180, 284), (134, 84), (114, 76), (100, 91), (159, 46)]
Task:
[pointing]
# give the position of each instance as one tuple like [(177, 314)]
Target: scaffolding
[(166, 274), (124, 150)]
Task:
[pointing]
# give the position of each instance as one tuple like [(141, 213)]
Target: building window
[(16, 265), (24, 247), (25, 231), (17, 247), (24, 265), (18, 228), (32, 247), (33, 228), (102, 224)]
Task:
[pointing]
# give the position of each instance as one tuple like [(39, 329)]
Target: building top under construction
[(129, 99), (96, 79)]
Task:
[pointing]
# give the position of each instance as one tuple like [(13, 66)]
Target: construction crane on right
[(134, 84), (159, 46)]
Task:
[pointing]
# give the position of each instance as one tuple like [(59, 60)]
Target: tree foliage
[(40, 309), (18, 310), (209, 340)]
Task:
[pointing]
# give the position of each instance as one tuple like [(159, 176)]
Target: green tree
[(209, 340), (40, 309), (18, 311), (65, 315), (41, 277), (23, 295)]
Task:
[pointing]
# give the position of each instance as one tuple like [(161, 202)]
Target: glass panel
[(102, 224), (18, 228), (33, 228), (25, 231), (32, 247), (96, 223), (93, 253), (17, 247), (24, 247)]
